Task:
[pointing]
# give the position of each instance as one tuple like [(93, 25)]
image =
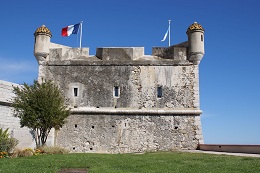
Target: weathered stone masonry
[(124, 101), (129, 133)]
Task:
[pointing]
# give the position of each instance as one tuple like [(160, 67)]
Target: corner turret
[(195, 34), (42, 43)]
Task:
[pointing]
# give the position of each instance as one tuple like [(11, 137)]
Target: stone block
[(173, 52), (119, 53), (67, 53)]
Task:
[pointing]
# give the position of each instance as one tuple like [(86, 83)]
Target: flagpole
[(169, 33), (80, 39)]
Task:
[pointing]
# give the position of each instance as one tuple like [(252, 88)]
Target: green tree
[(40, 107)]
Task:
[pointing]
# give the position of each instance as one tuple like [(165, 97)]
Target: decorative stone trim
[(134, 111)]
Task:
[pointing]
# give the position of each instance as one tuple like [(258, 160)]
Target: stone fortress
[(123, 101)]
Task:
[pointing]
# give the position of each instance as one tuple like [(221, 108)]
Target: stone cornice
[(117, 63), (121, 111)]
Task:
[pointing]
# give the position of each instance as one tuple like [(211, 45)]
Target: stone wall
[(6, 92), (138, 85), (7, 119), (129, 133)]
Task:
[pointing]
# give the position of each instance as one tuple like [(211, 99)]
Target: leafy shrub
[(23, 153), (38, 151), (53, 150), (7, 143)]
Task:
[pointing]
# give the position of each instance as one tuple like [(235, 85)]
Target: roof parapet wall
[(63, 53), (67, 53), (191, 50), (176, 52), (119, 53)]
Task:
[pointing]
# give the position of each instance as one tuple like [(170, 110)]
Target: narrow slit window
[(116, 91), (75, 92), (159, 92), (201, 37)]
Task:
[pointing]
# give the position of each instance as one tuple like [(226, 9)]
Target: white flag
[(166, 34)]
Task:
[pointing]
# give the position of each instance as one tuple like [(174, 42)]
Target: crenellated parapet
[(175, 52), (120, 53), (190, 51)]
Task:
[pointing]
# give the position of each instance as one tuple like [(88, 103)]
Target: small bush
[(53, 150), (6, 143), (23, 153), (38, 151)]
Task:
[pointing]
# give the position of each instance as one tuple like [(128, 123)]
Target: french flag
[(71, 29)]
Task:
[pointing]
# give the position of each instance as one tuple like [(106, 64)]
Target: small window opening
[(91, 148), (113, 126), (116, 91), (159, 92), (125, 124), (93, 127), (73, 148), (76, 125), (75, 92), (201, 37)]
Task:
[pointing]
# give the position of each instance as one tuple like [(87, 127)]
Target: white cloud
[(16, 66), (18, 71)]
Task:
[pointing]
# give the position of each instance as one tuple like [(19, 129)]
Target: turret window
[(201, 37)]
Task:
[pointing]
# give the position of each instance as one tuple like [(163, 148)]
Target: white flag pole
[(80, 39), (169, 33)]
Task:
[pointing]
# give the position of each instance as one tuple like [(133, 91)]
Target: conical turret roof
[(194, 26), (43, 30)]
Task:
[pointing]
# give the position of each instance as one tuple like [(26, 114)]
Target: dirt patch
[(73, 170)]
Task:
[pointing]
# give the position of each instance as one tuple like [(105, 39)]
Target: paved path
[(225, 153)]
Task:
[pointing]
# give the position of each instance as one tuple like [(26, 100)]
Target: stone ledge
[(146, 62), (85, 110)]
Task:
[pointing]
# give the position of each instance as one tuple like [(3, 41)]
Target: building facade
[(122, 100)]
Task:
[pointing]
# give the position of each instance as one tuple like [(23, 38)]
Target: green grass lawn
[(161, 162)]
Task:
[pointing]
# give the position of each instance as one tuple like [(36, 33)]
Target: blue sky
[(229, 71)]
